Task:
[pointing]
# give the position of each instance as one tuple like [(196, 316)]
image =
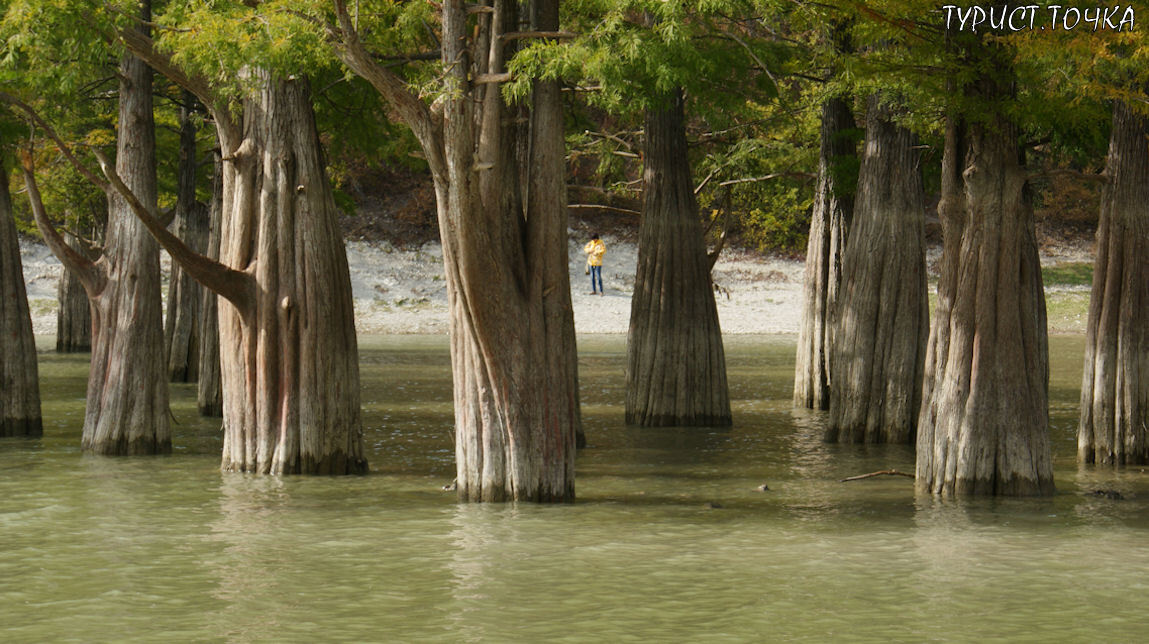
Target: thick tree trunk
[(676, 368), (1114, 426), (19, 379), (504, 253), (185, 295), (516, 388), (830, 221), (210, 392), (127, 403), (984, 425), (881, 319), (74, 315), (289, 354)]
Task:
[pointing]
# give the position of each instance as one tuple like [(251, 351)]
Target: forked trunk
[(210, 392), (516, 389), (288, 350), (185, 295), (984, 425), (19, 380), (676, 368), (1114, 426), (504, 253), (127, 403), (74, 315), (829, 223), (881, 319)]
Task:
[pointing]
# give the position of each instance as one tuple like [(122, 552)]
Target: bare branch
[(88, 272), (705, 181), (238, 287), (519, 35), (612, 137), (64, 148), (143, 47), (483, 79), (584, 206), (775, 175), (413, 111), (873, 474)]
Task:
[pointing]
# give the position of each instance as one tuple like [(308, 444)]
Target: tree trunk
[(676, 368), (881, 322), (289, 356), (1114, 426), (127, 402), (833, 207), (504, 254), (288, 352), (984, 423), (210, 393), (516, 389), (19, 379), (74, 315), (185, 295)]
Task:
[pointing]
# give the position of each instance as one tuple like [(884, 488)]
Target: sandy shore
[(399, 291), (403, 291)]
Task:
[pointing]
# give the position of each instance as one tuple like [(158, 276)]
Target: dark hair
[(594, 236)]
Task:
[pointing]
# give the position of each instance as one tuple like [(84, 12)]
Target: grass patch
[(1067, 312), (42, 306), (1068, 274)]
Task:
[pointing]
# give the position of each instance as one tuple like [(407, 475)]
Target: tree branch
[(624, 211), (238, 287), (798, 175), (414, 112), (1067, 172), (143, 47), (64, 148), (88, 272), (519, 35), (873, 474)]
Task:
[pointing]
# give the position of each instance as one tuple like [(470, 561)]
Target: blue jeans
[(596, 273)]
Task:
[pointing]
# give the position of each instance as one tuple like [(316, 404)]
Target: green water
[(168, 549)]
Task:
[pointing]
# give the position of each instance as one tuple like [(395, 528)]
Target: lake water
[(168, 549)]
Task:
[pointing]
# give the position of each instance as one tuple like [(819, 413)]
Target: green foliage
[(783, 219), (637, 51)]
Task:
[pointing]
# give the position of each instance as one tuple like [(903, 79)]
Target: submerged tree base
[(29, 427)]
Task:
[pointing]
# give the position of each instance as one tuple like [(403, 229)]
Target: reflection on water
[(670, 539)]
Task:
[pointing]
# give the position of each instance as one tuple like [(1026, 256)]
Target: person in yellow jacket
[(594, 250)]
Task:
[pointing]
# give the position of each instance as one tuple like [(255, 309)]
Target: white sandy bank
[(403, 291)]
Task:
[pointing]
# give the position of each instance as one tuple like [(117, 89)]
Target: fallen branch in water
[(873, 474)]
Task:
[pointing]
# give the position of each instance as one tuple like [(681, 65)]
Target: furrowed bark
[(289, 354), (289, 357), (833, 208), (503, 230), (210, 391), (983, 427), (881, 321), (19, 375), (676, 366), (74, 316), (1114, 423), (185, 295), (127, 403)]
